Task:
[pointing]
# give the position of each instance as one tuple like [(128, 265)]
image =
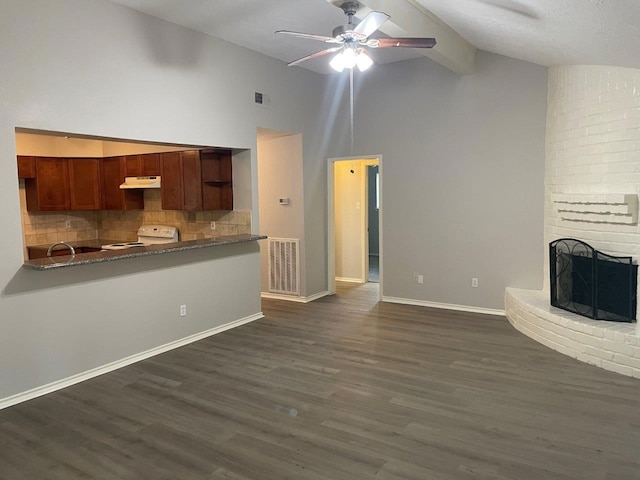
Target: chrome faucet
[(70, 247)]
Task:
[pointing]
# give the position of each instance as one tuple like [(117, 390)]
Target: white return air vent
[(284, 257), (261, 99)]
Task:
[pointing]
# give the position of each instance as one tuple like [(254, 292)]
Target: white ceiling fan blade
[(310, 36), (314, 55), (371, 23)]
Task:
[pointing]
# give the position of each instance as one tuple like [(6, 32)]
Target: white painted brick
[(609, 345), (614, 367), (599, 353), (626, 360), (619, 347), (583, 357)]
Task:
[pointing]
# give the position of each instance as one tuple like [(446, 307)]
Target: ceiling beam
[(410, 19)]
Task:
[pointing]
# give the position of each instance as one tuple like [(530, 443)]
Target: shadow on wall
[(170, 46), (25, 281)]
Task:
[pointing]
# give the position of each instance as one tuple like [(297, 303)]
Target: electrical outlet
[(420, 279), (67, 224), (213, 225), (183, 310), (474, 282)]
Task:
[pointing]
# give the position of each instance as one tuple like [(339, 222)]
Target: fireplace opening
[(591, 283)]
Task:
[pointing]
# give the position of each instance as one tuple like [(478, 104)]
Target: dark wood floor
[(342, 388)]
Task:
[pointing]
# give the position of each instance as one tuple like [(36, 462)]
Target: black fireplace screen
[(591, 283)]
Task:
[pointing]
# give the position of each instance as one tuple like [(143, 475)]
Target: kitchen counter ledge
[(62, 261)]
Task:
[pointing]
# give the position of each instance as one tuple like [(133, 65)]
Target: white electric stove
[(148, 235)]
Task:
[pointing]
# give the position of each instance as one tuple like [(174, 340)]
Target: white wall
[(350, 224), (280, 175), (593, 147), (463, 176), (97, 68)]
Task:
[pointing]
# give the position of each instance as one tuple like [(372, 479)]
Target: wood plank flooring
[(341, 388)]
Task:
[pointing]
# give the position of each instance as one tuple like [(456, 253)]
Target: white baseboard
[(445, 306), (109, 367), (290, 298), (349, 280)]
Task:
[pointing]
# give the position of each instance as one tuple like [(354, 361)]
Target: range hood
[(141, 182)]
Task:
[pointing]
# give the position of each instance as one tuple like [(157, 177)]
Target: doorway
[(355, 205)]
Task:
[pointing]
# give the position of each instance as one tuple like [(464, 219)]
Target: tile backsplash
[(191, 225), (40, 228)]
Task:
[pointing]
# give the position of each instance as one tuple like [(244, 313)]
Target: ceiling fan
[(353, 40)]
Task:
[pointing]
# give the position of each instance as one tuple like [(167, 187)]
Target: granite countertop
[(62, 261)]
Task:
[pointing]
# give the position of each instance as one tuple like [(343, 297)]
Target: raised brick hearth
[(610, 345)]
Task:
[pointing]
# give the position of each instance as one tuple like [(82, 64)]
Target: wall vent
[(261, 99), (284, 257)]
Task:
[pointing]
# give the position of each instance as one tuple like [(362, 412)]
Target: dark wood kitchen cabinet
[(172, 184), (64, 184), (197, 180), (149, 164), (191, 180), (145, 165), (84, 183), (181, 180), (49, 189), (26, 167), (113, 197)]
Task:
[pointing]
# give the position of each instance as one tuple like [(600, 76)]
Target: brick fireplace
[(592, 179)]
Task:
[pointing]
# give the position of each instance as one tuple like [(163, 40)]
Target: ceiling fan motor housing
[(350, 8), (345, 32)]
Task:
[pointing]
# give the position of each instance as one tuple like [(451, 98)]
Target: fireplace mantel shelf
[(610, 345), (615, 208)]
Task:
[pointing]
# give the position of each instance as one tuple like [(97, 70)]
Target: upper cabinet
[(26, 167), (197, 180), (145, 165), (84, 183), (172, 183), (49, 189), (113, 197), (63, 184), (191, 180)]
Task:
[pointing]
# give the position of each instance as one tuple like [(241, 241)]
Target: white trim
[(349, 280), (109, 367), (290, 298), (445, 306)]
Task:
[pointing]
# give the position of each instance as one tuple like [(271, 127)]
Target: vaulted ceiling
[(546, 32)]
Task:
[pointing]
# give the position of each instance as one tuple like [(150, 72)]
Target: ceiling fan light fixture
[(349, 57), (337, 62), (363, 61)]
